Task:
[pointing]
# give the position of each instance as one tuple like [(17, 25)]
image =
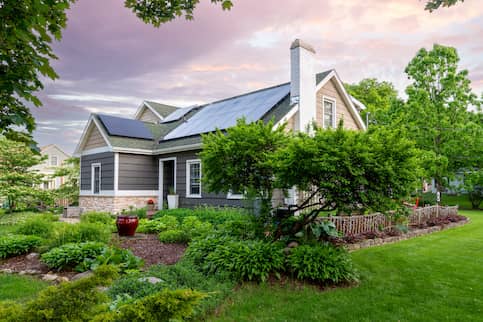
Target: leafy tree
[(27, 28), (348, 171), (240, 159), (432, 5), (70, 170), (436, 113), (17, 180), (156, 12), (379, 98)]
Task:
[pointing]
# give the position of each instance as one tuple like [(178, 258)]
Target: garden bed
[(354, 242)]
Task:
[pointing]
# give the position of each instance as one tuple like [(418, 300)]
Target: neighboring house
[(125, 162), (55, 158)]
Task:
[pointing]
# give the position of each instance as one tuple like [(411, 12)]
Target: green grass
[(437, 277), (16, 287)]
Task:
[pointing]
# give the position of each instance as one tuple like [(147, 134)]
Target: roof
[(162, 109), (185, 125), (50, 146)]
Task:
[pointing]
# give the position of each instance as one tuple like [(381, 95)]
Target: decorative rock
[(287, 250), (293, 244), (32, 256), (6, 271), (82, 275), (32, 272), (62, 279), (49, 277), (151, 279)]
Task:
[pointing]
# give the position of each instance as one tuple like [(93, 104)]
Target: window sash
[(329, 107), (194, 179), (97, 179)]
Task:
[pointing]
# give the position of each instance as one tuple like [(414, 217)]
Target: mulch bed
[(151, 250)]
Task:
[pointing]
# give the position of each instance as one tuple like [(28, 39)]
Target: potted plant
[(150, 205), (173, 199), (127, 223)]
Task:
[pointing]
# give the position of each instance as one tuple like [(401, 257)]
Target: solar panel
[(118, 126), (178, 114), (224, 114)]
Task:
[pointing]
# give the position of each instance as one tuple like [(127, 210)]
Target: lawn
[(436, 277), (15, 287)]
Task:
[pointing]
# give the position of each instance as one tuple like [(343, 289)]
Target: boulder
[(50, 277), (82, 275), (151, 279), (32, 256)]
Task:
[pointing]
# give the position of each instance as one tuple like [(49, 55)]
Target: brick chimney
[(303, 84)]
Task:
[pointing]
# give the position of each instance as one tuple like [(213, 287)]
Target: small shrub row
[(213, 215), (95, 217), (13, 245), (67, 233)]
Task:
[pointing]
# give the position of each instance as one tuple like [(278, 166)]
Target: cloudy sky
[(109, 61)]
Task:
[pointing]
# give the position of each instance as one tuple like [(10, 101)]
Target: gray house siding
[(138, 172), (210, 199), (106, 160)]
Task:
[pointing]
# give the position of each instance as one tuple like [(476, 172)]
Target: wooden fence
[(354, 225)]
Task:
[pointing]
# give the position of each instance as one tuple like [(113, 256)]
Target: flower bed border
[(410, 234)]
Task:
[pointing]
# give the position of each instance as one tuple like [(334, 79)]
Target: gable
[(148, 116), (94, 138), (342, 110)]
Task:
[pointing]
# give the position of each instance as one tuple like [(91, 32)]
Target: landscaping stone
[(6, 271), (293, 244), (82, 275), (49, 277), (32, 256), (151, 279), (62, 279)]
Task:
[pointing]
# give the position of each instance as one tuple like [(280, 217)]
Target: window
[(53, 160), (193, 179), (96, 178), (329, 113)]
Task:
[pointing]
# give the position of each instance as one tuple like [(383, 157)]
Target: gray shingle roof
[(275, 112)]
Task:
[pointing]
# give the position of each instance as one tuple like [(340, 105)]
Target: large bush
[(321, 263), (13, 245), (72, 254)]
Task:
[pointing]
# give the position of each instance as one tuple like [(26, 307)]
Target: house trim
[(287, 116), (78, 150), (119, 193), (188, 187), (345, 96), (334, 112), (161, 179), (232, 196), (116, 171), (93, 166)]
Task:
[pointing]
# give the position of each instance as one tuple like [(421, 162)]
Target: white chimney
[(302, 77)]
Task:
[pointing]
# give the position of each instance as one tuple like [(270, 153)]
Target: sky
[(109, 61)]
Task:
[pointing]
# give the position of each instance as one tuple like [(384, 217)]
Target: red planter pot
[(126, 225)]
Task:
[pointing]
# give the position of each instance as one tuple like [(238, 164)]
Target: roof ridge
[(244, 94)]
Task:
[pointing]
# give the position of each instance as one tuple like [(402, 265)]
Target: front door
[(167, 180)]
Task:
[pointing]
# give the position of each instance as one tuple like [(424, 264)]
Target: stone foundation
[(114, 204)]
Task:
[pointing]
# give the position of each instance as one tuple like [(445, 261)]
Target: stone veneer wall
[(113, 204)]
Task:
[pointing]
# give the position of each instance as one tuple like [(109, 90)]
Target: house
[(125, 162), (54, 158)]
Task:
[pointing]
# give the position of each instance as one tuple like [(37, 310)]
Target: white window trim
[(334, 113), (93, 166), (232, 196), (56, 161), (188, 188)]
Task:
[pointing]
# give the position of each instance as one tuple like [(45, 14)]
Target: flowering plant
[(150, 202)]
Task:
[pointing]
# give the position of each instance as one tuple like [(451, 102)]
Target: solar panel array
[(118, 126), (178, 114), (224, 114)]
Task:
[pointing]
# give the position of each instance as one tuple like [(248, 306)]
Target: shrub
[(74, 301), (174, 236), (242, 228), (158, 225), (94, 217), (123, 259), (14, 245), (139, 212), (321, 263), (39, 226), (72, 254), (166, 305), (247, 260), (199, 248), (67, 233), (194, 227)]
